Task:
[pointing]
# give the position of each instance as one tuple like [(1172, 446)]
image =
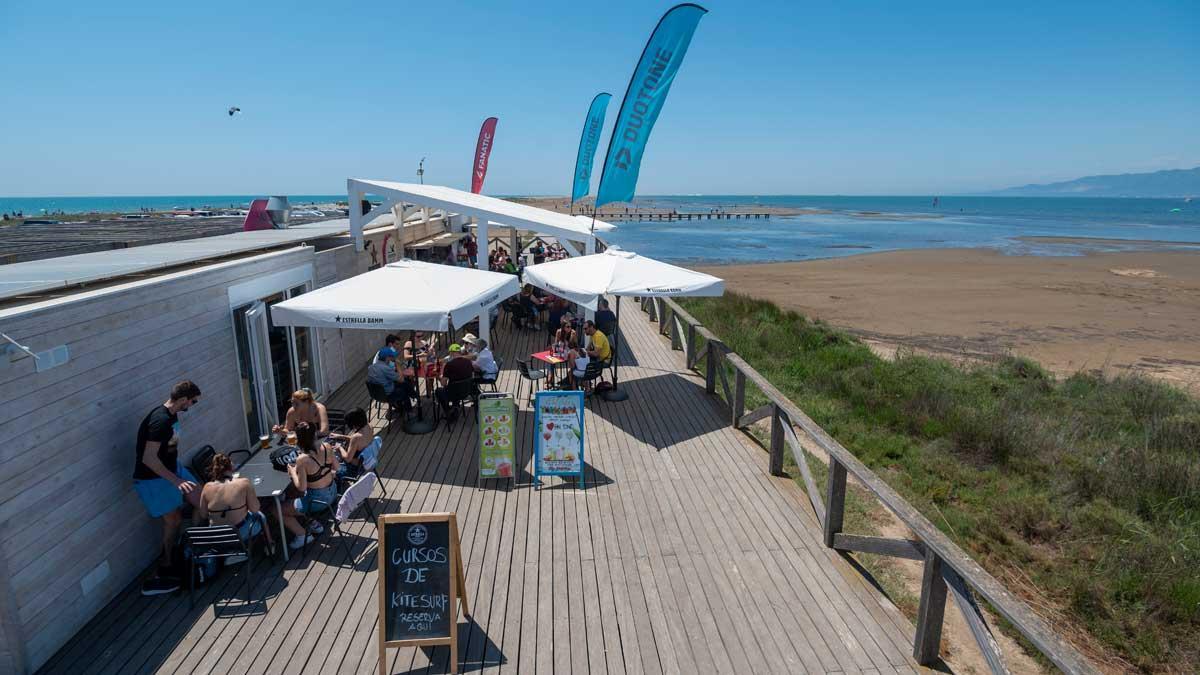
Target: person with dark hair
[(226, 500), (599, 348), (313, 476), (605, 320), (160, 481), (361, 437)]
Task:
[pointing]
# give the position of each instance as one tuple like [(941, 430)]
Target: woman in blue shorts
[(314, 476)]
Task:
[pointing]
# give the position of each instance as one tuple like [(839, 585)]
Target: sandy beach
[(1116, 311)]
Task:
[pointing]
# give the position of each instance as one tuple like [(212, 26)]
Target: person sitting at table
[(605, 320), (566, 335), (577, 363), (482, 360), (399, 391), (226, 500), (391, 342), (458, 369), (532, 302), (360, 437), (599, 348), (423, 347), (313, 477), (305, 409)]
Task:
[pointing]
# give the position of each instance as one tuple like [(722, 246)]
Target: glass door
[(264, 389)]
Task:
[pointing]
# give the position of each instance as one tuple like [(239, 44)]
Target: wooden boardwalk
[(682, 555)]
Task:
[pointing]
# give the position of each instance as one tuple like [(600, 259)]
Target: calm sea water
[(854, 225), (866, 224)]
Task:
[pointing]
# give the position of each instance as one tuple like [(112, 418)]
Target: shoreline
[(1115, 311)]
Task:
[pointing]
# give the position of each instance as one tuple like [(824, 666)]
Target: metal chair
[(533, 375), (379, 398), (216, 542), (457, 393), (593, 372)]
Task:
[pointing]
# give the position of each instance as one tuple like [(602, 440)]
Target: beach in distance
[(1129, 310)]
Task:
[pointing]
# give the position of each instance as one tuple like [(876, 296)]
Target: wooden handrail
[(943, 558)]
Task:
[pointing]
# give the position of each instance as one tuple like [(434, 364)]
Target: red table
[(549, 358)]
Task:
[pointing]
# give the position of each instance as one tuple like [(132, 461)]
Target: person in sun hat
[(468, 343)]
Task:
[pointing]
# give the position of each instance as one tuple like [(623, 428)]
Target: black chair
[(379, 398), (531, 374), (216, 542), (202, 461), (590, 374), (337, 419), (456, 393)]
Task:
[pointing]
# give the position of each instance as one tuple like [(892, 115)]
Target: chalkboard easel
[(421, 582)]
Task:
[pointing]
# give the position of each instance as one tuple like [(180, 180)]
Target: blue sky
[(773, 98)]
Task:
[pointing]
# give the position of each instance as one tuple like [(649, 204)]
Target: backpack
[(284, 456)]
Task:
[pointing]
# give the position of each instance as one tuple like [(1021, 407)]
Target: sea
[(831, 226)]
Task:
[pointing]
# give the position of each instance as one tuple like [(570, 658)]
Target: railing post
[(835, 500), (777, 441), (931, 611), (676, 338), (689, 347), (710, 369), (664, 317), (738, 404)]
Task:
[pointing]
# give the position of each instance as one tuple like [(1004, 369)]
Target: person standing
[(160, 481)]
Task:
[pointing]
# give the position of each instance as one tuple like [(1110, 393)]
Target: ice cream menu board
[(421, 581), (558, 445), (497, 417)]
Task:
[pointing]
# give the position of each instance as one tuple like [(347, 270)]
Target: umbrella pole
[(616, 394), (418, 425)]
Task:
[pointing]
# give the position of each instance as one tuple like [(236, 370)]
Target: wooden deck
[(682, 555)]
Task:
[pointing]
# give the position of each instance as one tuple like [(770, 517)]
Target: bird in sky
[(233, 110)]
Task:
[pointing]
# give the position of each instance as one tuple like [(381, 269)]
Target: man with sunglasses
[(160, 480)]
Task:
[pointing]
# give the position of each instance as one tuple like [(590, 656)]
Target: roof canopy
[(584, 279), (404, 295), (485, 208)]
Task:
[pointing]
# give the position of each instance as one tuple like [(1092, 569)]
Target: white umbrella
[(584, 279), (404, 295)]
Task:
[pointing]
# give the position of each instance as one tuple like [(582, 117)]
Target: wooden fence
[(947, 567)]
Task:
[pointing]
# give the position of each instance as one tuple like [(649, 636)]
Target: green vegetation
[(1081, 494)]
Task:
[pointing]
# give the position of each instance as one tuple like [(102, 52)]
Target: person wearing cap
[(469, 345), (482, 360), (458, 369), (383, 373)]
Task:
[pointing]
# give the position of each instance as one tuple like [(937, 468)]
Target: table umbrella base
[(615, 394), (418, 426)]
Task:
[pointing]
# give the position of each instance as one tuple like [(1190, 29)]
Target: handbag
[(282, 457)]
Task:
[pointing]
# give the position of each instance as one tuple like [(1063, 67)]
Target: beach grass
[(1082, 494)]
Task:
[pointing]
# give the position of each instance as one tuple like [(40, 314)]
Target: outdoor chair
[(593, 372), (216, 542), (379, 399), (533, 375), (337, 419), (457, 393), (202, 460), (370, 460), (342, 509)]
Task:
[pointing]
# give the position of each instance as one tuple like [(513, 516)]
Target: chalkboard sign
[(421, 581)]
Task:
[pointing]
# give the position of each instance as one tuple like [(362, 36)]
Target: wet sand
[(1114, 311)]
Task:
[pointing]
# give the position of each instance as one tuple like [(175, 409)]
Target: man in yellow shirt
[(599, 349)]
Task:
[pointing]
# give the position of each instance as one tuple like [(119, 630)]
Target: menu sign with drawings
[(421, 582), (497, 417), (558, 445)]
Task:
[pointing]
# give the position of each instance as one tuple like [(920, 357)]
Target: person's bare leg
[(290, 521), (171, 523)]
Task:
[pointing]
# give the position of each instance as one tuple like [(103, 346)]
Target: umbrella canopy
[(404, 295), (584, 279)]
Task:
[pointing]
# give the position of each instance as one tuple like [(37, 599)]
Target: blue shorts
[(159, 496), (251, 525), (326, 494)]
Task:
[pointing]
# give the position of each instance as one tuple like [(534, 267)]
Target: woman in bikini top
[(226, 500)]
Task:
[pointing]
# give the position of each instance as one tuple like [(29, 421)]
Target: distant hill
[(1170, 183)]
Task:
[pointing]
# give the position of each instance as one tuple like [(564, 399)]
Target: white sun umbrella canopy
[(584, 279), (616, 272), (404, 295)]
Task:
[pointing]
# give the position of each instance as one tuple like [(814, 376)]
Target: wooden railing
[(947, 567)]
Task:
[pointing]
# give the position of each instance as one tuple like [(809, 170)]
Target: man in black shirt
[(158, 478)]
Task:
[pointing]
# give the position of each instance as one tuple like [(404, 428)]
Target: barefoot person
[(160, 481)]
